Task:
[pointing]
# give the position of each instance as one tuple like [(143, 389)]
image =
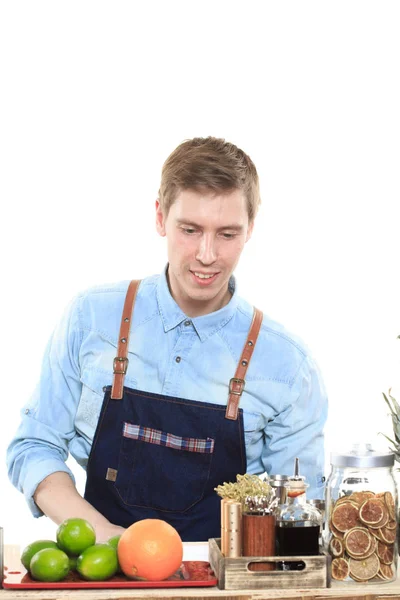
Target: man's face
[(206, 233)]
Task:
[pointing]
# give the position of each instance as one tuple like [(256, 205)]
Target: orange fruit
[(49, 564), (34, 547), (75, 535), (150, 549), (340, 569), (98, 562)]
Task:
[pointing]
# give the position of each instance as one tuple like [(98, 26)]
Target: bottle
[(298, 524), (361, 521)]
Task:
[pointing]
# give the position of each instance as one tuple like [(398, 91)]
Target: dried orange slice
[(391, 524), (388, 535), (341, 499), (383, 521), (336, 547), (340, 569), (357, 541), (390, 505), (377, 534), (360, 497), (345, 516), (385, 553), (386, 571), (336, 532), (372, 511), (366, 568)]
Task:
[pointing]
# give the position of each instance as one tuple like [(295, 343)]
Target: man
[(198, 386)]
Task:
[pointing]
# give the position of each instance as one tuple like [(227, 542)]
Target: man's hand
[(103, 534), (58, 498)]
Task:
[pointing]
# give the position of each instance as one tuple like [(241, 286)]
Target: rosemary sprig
[(245, 486)]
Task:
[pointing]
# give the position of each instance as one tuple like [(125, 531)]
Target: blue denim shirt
[(284, 401)]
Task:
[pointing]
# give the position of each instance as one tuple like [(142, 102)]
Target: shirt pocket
[(153, 462), (94, 382), (252, 426)]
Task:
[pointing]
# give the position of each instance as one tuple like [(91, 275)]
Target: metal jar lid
[(363, 456), (277, 480)]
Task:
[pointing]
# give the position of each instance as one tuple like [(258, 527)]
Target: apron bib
[(160, 457)]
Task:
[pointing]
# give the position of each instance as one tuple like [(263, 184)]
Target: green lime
[(75, 535), (113, 541), (98, 562), (34, 547), (49, 564)]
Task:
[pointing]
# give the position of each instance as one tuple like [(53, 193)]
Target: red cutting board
[(191, 573)]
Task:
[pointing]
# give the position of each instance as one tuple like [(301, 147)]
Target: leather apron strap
[(237, 383), (121, 360)]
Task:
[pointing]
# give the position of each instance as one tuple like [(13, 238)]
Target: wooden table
[(389, 591)]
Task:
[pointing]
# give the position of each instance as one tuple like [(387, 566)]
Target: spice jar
[(361, 516)]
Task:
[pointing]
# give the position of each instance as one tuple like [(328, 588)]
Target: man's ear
[(250, 231), (160, 219)]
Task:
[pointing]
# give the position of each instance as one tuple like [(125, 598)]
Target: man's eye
[(228, 236), (189, 230)]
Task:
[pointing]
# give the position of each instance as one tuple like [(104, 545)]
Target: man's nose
[(206, 252)]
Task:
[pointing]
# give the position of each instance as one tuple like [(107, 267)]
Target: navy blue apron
[(160, 457)]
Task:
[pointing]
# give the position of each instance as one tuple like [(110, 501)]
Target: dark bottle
[(298, 524)]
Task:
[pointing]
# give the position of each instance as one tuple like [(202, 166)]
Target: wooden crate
[(235, 574)]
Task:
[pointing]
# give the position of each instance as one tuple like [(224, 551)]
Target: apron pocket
[(162, 471)]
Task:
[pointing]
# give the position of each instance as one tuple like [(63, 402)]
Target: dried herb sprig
[(245, 486)]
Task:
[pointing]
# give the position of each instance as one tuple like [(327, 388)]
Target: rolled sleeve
[(40, 445), (298, 430)]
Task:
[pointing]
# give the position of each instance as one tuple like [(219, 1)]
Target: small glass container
[(298, 523), (361, 519)]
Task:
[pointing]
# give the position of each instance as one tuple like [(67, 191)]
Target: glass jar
[(361, 516), (298, 523)]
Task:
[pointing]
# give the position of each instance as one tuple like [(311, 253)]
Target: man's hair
[(209, 163)]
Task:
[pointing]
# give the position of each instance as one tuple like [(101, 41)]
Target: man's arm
[(37, 455), (59, 499), (297, 431)]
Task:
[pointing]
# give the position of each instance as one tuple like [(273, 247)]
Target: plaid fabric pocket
[(161, 438)]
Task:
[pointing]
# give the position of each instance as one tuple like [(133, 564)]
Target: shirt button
[(27, 411), (178, 359), (187, 323), (104, 388)]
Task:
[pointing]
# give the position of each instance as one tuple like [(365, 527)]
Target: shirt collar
[(172, 315)]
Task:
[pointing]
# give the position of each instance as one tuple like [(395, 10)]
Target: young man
[(198, 386)]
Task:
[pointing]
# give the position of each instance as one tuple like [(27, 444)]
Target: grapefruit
[(150, 549)]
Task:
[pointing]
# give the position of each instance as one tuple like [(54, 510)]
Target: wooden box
[(236, 573)]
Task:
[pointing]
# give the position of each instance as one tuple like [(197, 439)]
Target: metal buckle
[(118, 362), (236, 381)]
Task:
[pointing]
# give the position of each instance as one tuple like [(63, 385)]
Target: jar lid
[(363, 456), (277, 478)]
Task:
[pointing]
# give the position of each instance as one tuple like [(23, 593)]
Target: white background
[(95, 95)]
